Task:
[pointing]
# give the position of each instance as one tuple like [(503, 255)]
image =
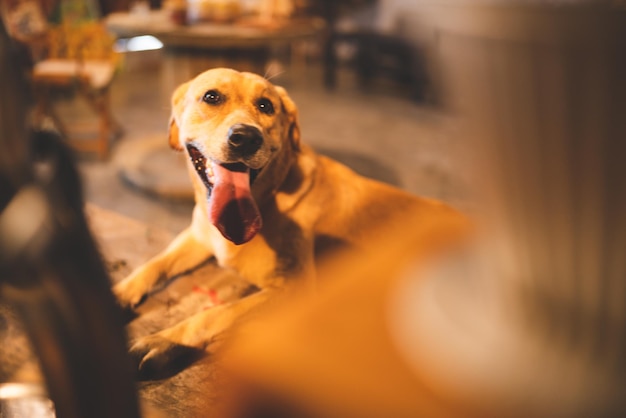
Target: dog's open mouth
[(232, 209)]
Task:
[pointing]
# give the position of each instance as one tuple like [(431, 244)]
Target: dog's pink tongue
[(231, 207)]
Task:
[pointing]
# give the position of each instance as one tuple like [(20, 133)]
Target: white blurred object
[(25, 400), (138, 43)]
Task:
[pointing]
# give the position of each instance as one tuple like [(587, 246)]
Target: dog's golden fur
[(307, 203)]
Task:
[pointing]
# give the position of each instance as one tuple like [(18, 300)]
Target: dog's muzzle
[(244, 140)]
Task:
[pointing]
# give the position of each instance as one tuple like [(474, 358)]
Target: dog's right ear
[(177, 109)]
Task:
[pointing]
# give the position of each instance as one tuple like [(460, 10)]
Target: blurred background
[(509, 111)]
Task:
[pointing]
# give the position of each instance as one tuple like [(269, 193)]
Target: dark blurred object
[(15, 157), (50, 268), (377, 52), (110, 6)]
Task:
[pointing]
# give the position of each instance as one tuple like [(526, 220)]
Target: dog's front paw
[(127, 299), (157, 357), (131, 292)]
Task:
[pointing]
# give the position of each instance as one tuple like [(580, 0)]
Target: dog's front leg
[(169, 351), (184, 254)]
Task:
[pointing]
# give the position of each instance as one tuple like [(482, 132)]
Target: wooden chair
[(80, 60)]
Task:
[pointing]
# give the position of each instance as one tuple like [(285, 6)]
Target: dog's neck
[(290, 175)]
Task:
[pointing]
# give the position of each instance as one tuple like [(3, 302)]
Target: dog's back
[(352, 211)]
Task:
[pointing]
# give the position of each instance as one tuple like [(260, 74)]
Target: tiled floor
[(378, 133)]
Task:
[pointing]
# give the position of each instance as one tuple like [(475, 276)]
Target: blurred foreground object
[(50, 270), (530, 320)]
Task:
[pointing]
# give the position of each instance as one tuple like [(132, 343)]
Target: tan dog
[(266, 205)]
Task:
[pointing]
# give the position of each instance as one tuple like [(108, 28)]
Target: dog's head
[(233, 125)]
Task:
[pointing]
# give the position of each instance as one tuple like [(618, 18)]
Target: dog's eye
[(265, 106), (212, 97)]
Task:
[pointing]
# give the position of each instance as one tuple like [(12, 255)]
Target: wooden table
[(206, 35), (243, 40)]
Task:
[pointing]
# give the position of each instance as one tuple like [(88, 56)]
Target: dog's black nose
[(244, 139)]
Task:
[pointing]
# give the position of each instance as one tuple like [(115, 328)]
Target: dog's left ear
[(177, 105), (291, 112)]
